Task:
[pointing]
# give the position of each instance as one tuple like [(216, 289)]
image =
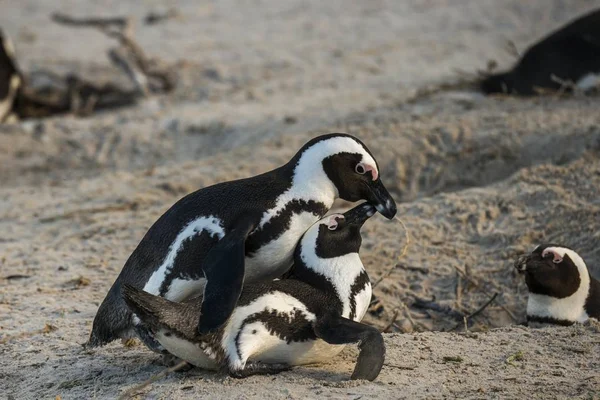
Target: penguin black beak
[(521, 263), (382, 200), (358, 215)]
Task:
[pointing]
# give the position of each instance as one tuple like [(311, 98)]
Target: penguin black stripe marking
[(218, 238), (561, 289), (280, 223), (292, 326), (358, 286), (302, 319)]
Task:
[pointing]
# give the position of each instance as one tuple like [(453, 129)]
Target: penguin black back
[(571, 54)]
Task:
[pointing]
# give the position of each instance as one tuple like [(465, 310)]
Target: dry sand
[(478, 181)]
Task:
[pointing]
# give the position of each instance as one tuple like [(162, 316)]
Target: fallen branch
[(477, 286), (469, 317), (405, 367), (392, 322), (100, 23), (434, 306), (146, 74), (135, 390), (483, 307)]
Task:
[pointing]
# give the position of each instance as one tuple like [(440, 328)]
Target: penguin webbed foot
[(335, 329), (258, 368)]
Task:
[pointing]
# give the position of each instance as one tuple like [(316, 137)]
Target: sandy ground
[(478, 181)]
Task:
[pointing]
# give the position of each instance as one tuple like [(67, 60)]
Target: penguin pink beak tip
[(373, 170)]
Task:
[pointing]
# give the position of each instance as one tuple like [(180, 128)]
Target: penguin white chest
[(362, 301), (275, 257)]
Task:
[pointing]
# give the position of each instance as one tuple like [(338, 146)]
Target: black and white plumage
[(218, 238), (571, 54), (303, 319), (10, 78), (561, 289)]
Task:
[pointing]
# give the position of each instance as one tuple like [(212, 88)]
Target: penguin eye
[(360, 169), (332, 227)]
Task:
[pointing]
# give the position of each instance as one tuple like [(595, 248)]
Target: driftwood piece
[(148, 75), (75, 94)]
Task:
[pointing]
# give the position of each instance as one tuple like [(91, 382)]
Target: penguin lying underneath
[(303, 319), (561, 289), (220, 237), (571, 54)]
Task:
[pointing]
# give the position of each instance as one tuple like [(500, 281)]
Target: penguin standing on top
[(215, 240), (303, 319), (561, 289), (571, 54)]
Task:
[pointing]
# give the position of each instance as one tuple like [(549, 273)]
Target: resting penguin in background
[(10, 78), (561, 289), (571, 54), (304, 319), (220, 237)]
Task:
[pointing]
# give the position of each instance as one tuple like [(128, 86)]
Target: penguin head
[(339, 234), (342, 163), (553, 270)]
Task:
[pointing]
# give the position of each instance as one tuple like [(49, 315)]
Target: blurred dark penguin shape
[(221, 237), (303, 319), (561, 289), (565, 60), (10, 78)]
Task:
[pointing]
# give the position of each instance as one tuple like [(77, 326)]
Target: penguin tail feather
[(156, 311), (142, 304)]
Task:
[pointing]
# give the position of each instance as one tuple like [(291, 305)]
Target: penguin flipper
[(335, 329), (224, 272)]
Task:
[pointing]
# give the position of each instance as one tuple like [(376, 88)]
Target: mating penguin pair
[(561, 289), (303, 319), (222, 237)]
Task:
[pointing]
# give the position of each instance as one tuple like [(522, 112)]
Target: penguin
[(570, 54), (306, 318), (10, 78), (561, 289), (217, 239)]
